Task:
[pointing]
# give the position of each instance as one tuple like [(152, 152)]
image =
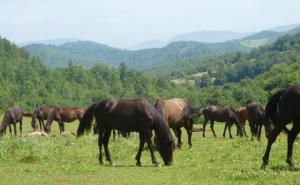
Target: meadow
[(67, 160)]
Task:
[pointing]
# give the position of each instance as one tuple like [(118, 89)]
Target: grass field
[(67, 160)]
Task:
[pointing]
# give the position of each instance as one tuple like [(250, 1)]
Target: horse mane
[(272, 105), (5, 121)]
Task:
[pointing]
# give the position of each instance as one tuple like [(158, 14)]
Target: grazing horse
[(40, 114), (129, 116), (12, 116), (61, 115), (282, 108), (220, 114), (243, 115), (257, 118), (178, 113)]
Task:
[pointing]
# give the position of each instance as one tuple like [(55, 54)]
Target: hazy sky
[(124, 23)]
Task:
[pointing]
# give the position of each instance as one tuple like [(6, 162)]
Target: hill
[(55, 42), (209, 36), (87, 53)]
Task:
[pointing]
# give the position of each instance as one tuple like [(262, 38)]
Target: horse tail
[(87, 120), (272, 106)]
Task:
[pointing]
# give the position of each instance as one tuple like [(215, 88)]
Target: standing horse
[(283, 107), (178, 113), (128, 116), (61, 115), (243, 115), (12, 116), (220, 114), (257, 118), (40, 114)]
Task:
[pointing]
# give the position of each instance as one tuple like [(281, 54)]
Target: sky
[(125, 23)]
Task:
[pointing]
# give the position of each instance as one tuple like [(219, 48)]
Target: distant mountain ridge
[(55, 42), (87, 53)]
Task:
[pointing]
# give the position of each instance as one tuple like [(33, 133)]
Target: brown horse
[(129, 116), (220, 114), (11, 117), (178, 113), (257, 118), (282, 108), (63, 114), (243, 115), (40, 114)]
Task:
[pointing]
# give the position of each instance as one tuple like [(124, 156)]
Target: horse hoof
[(101, 163), (157, 164), (138, 164), (111, 164), (263, 166), (231, 137)]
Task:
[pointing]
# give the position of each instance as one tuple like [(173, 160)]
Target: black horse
[(129, 116), (222, 114), (284, 107), (257, 118), (11, 117)]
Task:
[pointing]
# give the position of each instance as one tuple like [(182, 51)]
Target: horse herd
[(140, 116)]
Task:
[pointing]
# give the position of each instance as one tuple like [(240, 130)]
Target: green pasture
[(67, 160)]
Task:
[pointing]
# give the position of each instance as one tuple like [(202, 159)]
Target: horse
[(63, 114), (282, 108), (243, 115), (40, 114), (178, 113), (129, 116), (257, 118), (222, 114), (12, 116)]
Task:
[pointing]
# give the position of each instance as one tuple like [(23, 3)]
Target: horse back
[(124, 115)]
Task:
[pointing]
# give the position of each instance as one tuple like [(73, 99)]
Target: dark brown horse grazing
[(220, 114), (129, 116), (284, 107), (257, 118), (178, 113), (40, 114), (61, 115), (243, 115), (11, 117)]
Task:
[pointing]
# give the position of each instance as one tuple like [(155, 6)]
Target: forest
[(232, 79)]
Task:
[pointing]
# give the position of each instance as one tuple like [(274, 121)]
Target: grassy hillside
[(88, 53), (67, 160)]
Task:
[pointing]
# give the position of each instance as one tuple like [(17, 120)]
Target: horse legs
[(148, 135), (212, 127), (21, 122), (204, 125), (259, 132), (225, 128), (107, 133), (9, 126), (291, 138), (229, 128), (141, 147), (100, 142), (40, 123), (189, 133), (178, 133), (275, 132), (114, 134), (15, 128)]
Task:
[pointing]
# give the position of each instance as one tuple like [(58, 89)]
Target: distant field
[(67, 160)]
